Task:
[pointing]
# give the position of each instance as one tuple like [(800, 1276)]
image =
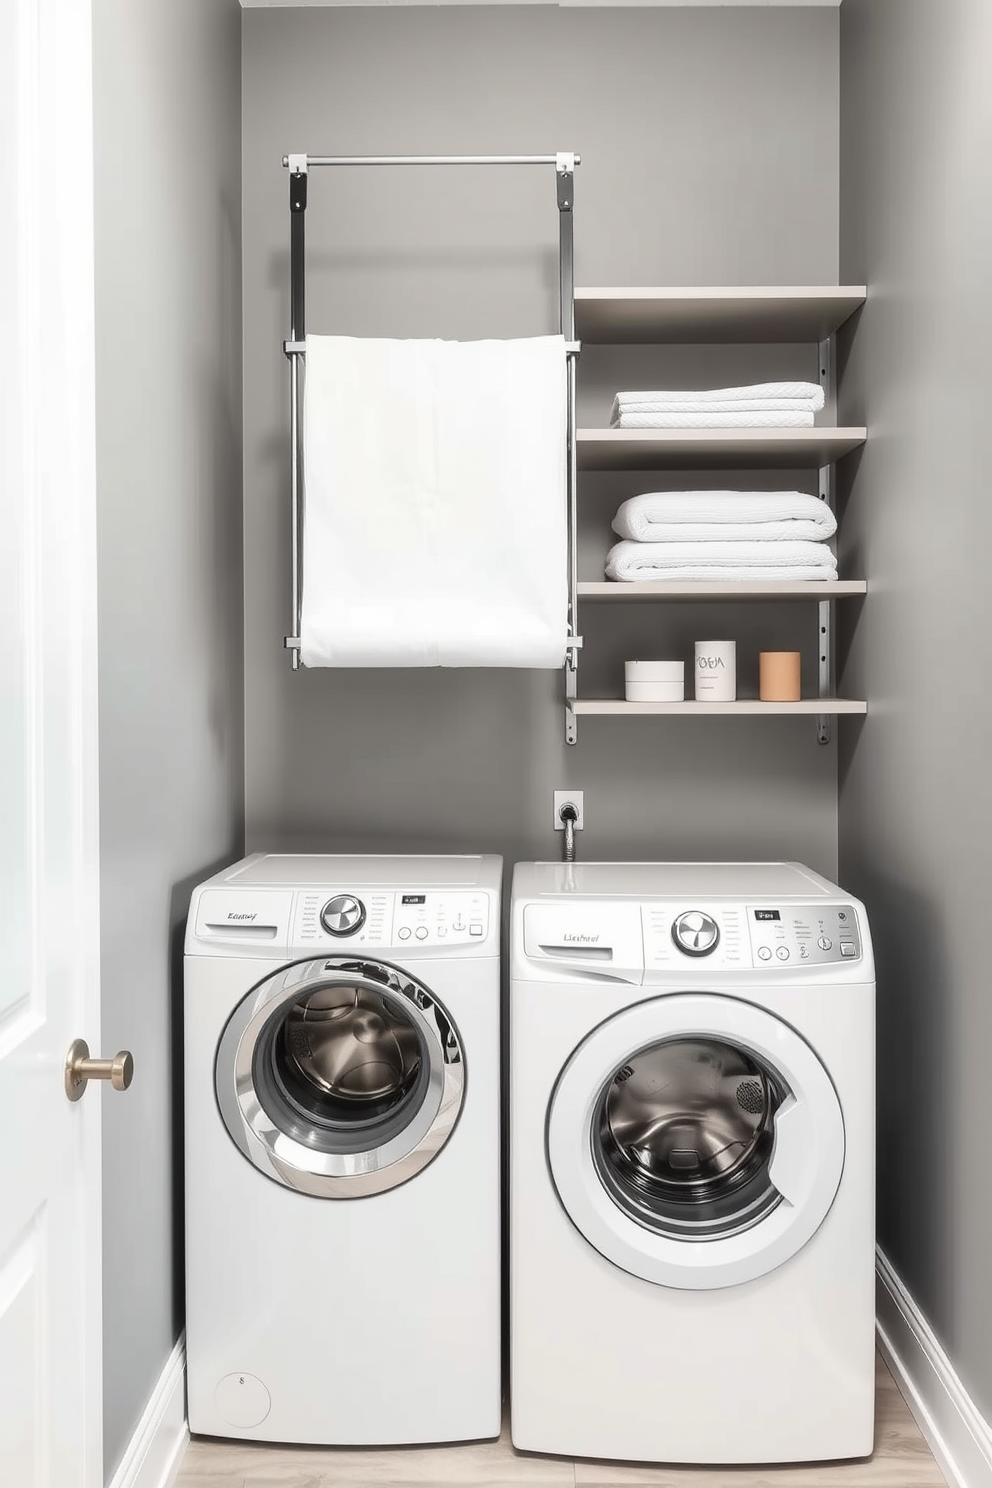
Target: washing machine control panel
[(441, 918), (803, 934), (413, 919)]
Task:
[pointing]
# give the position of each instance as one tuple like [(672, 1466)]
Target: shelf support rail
[(825, 609), (294, 348), (565, 189)]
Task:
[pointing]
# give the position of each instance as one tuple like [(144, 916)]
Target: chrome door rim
[(297, 1165), (807, 1161)]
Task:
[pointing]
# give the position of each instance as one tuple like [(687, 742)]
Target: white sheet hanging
[(434, 529)]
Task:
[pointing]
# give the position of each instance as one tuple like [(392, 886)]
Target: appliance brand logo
[(581, 939), (232, 916)]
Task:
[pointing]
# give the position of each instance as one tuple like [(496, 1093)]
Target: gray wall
[(915, 821), (709, 145), (168, 208)]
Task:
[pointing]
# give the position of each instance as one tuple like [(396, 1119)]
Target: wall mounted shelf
[(714, 315), (610, 591), (714, 449), (720, 315), (741, 707)]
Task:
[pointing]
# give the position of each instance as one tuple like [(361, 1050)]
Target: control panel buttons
[(440, 919), (695, 933), (810, 934), (343, 915)]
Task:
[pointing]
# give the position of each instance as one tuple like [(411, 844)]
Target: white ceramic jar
[(654, 681)]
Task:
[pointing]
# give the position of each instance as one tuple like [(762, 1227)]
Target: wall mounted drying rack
[(299, 167)]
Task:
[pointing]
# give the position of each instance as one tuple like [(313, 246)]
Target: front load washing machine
[(691, 1163), (342, 1039)]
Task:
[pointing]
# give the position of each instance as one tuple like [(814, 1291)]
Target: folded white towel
[(730, 405), (718, 561), (700, 516), (793, 403), (763, 394), (434, 509), (700, 420)]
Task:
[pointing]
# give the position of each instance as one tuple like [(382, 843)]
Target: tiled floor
[(901, 1460)]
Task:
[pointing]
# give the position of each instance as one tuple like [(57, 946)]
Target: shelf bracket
[(571, 692), (825, 609), (824, 635)]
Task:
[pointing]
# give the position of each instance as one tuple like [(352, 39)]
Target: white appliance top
[(675, 880), (645, 923), (284, 906), (273, 870)]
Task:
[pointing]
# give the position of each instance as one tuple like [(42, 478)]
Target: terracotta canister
[(779, 676)]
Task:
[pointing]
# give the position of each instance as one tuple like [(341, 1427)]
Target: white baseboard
[(958, 1435), (156, 1448)]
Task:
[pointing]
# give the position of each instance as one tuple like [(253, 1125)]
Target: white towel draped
[(700, 516), (434, 512), (718, 562)]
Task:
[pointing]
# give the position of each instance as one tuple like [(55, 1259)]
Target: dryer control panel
[(803, 934), (703, 935)]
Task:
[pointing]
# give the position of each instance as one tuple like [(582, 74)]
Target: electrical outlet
[(568, 798)]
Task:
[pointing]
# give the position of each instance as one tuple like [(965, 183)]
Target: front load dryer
[(691, 1163), (342, 1038)]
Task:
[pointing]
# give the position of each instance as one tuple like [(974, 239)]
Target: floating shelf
[(751, 707), (713, 449), (613, 590), (714, 315)]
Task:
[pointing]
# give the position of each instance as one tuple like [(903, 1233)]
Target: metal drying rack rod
[(564, 163)]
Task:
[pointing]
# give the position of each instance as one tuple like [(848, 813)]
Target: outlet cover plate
[(563, 798)]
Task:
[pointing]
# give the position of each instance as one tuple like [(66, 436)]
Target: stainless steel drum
[(684, 1134), (340, 1078), (352, 1045)]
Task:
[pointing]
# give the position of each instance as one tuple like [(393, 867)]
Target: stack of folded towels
[(764, 405), (723, 535)]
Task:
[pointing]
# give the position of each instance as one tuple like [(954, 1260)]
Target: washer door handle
[(789, 1167)]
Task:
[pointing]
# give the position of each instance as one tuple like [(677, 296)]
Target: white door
[(50, 1300), (696, 1141)]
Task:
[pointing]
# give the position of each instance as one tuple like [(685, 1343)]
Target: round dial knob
[(343, 915), (695, 933)]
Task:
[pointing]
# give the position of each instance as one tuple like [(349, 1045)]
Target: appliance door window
[(340, 1078), (696, 1141)]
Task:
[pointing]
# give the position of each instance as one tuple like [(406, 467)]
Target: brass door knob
[(80, 1069)]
